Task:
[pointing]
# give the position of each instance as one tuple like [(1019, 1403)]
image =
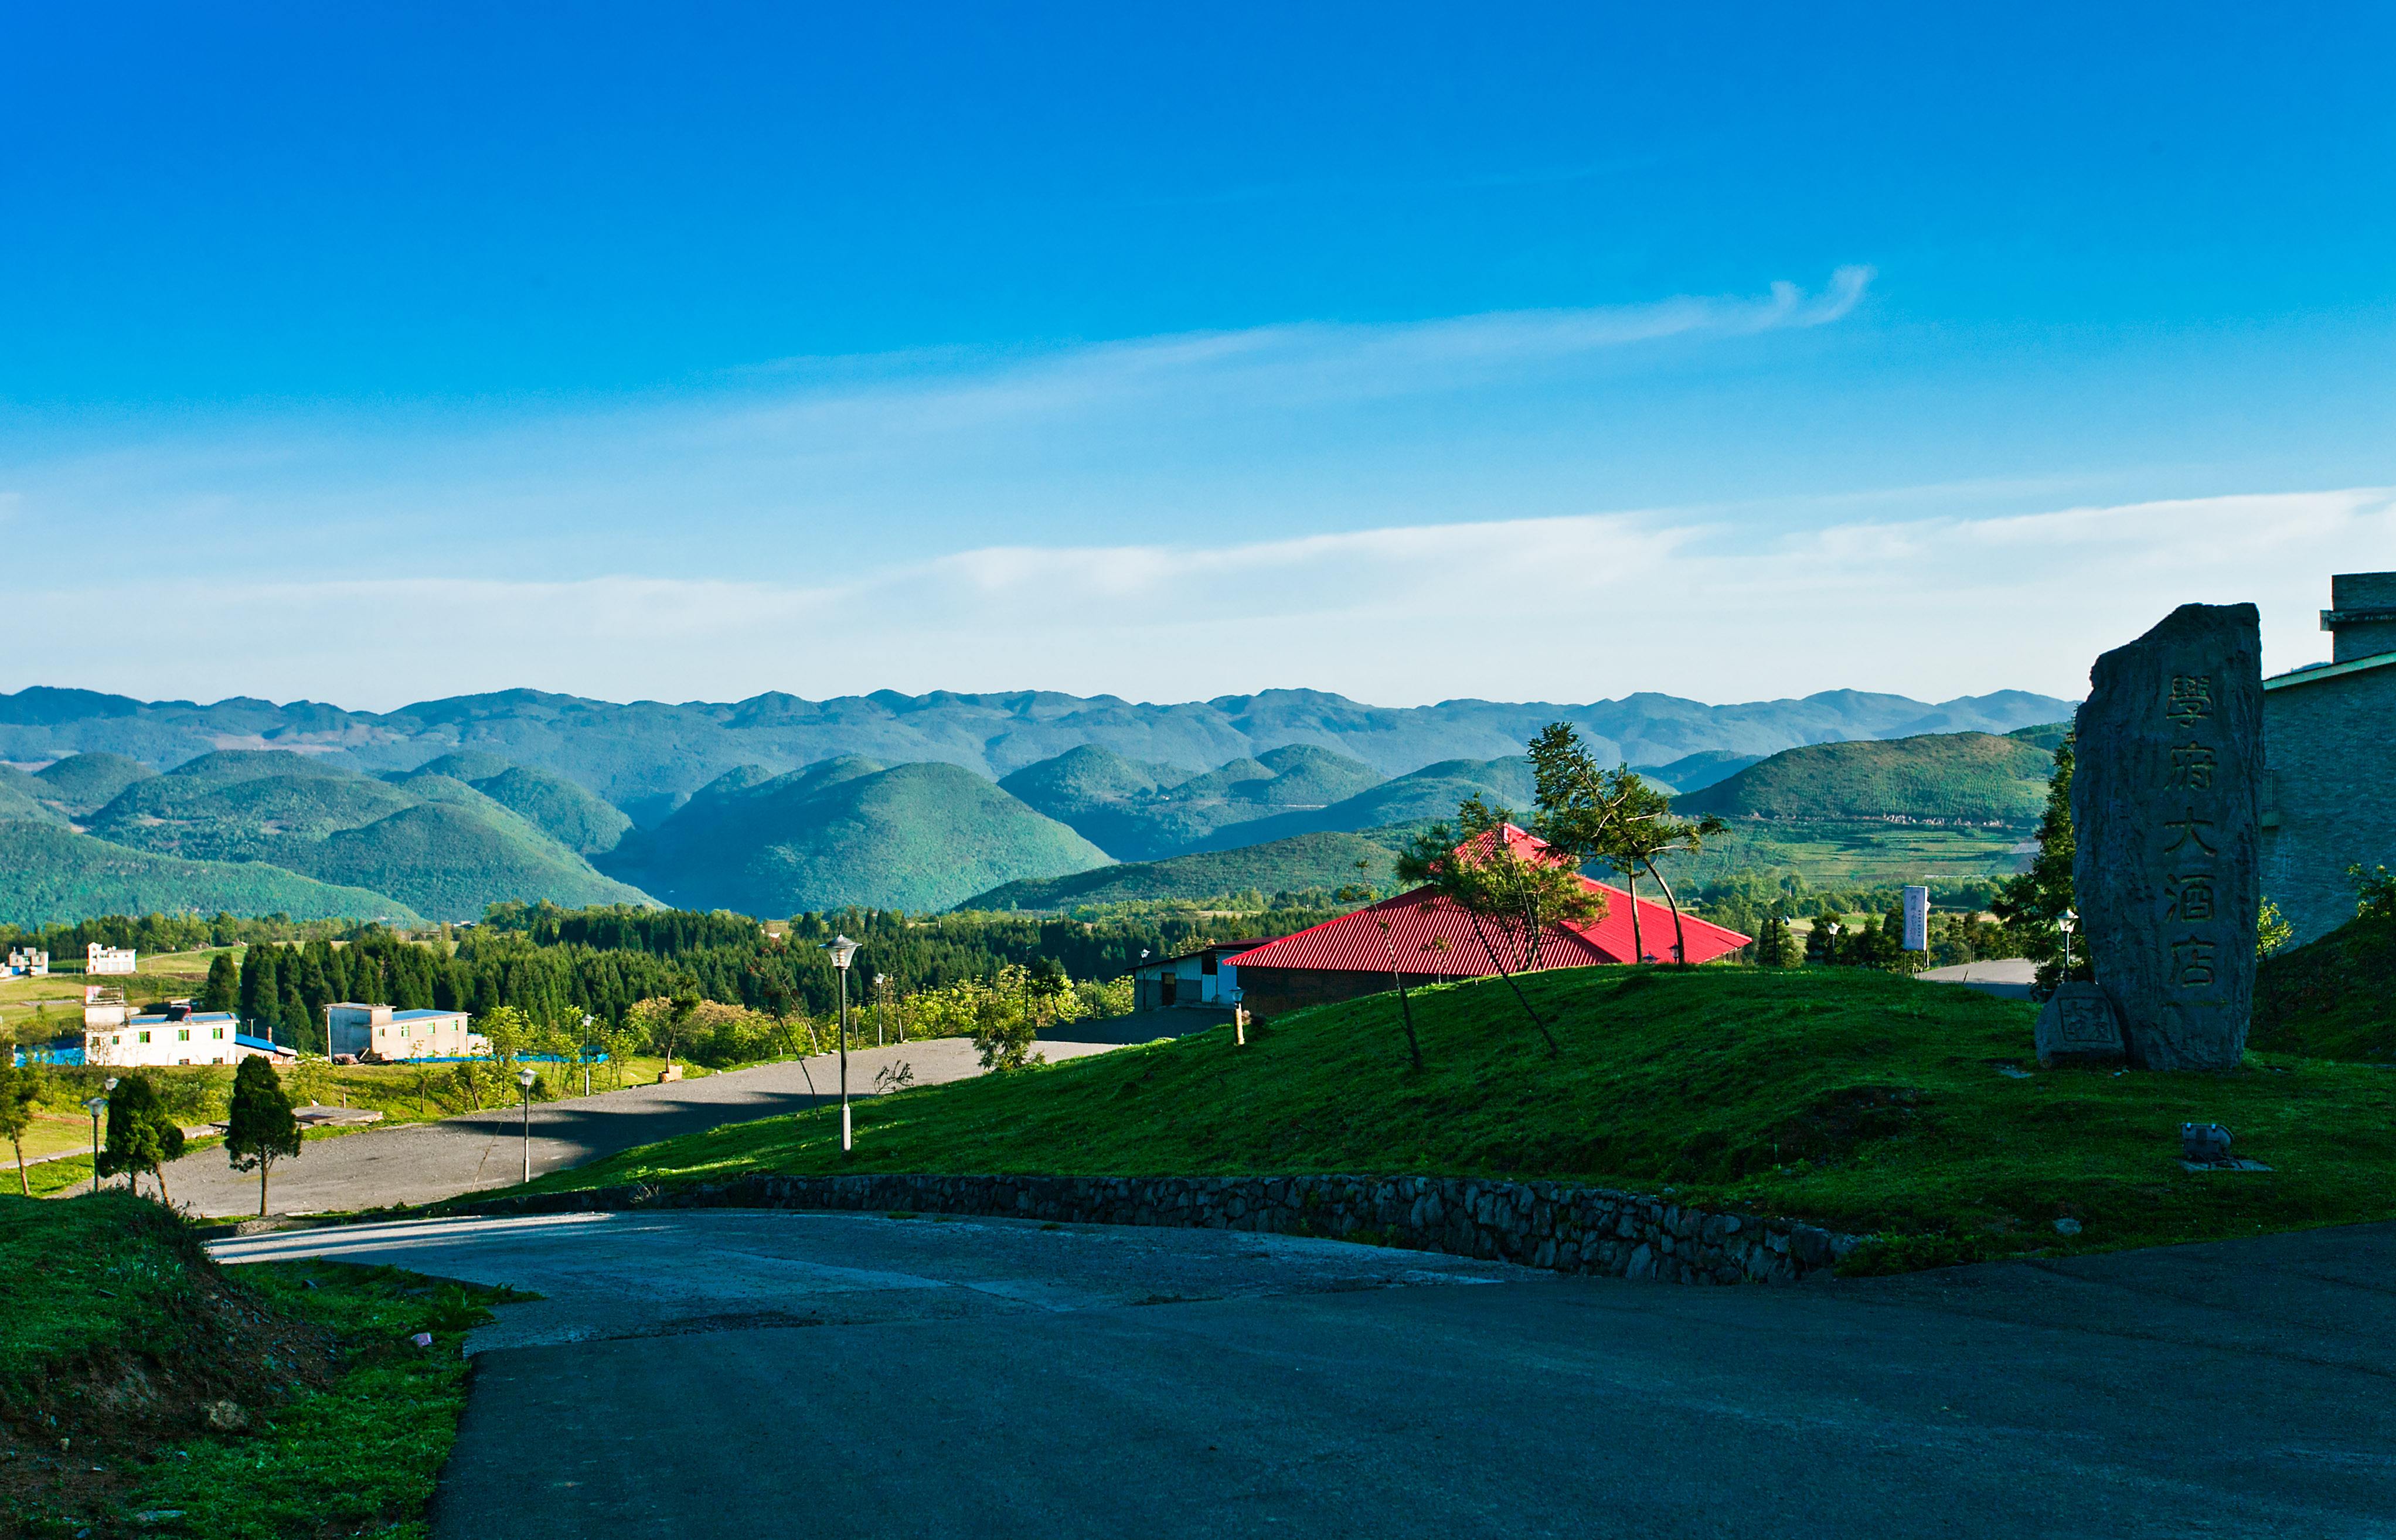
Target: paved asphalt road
[(709, 1374), (420, 1163)]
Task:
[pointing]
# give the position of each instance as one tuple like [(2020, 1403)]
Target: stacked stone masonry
[(1546, 1224)]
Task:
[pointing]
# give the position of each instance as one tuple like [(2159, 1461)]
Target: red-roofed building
[(1431, 941)]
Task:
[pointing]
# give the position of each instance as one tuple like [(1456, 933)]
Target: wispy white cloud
[(1561, 608), (832, 458)]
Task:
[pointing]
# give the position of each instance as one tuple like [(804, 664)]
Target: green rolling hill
[(21, 797), (1970, 778), (1127, 808), (567, 813), (81, 785), (1425, 796), (1696, 772), (1317, 861), (848, 830), (431, 842), (50, 874)]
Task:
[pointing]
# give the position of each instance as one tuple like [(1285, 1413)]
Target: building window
[(217, 1033), (145, 1036), (182, 1034)]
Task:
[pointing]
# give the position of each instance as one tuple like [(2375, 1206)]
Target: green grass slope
[(50, 874), (132, 1332), (1280, 866), (2334, 998), (83, 784), (913, 837), (1867, 1102), (1974, 777)]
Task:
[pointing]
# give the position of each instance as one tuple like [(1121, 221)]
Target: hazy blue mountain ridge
[(645, 757)]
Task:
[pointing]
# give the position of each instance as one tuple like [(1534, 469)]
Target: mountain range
[(647, 757), (440, 809)]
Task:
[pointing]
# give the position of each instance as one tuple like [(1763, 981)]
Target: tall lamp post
[(842, 949), (881, 987), (96, 1106), (2071, 919), (524, 1079), (585, 1055)]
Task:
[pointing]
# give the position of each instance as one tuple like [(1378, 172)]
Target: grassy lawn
[(1838, 853), (123, 1332), (1860, 1100)]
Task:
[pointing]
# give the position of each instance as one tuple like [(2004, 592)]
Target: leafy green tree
[(21, 1088), (2271, 930), (222, 991), (2031, 906), (511, 1034), (260, 1128), (143, 1136), (1647, 831), (1775, 946), (1822, 941), (1510, 897), (2375, 892)]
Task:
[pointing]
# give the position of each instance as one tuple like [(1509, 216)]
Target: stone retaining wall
[(1537, 1223)]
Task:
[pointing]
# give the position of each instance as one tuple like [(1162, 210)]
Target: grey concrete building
[(2329, 736)]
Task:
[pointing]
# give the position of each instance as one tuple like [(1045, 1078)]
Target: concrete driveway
[(712, 1373), (423, 1162)]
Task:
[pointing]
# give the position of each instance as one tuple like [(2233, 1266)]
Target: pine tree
[(260, 1128), (222, 991), (2032, 905), (262, 996)]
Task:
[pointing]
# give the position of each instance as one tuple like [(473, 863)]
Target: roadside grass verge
[(143, 1388), (1862, 1101)]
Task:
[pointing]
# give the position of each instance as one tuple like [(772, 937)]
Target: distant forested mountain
[(847, 832), (1974, 777), (50, 874), (435, 843), (647, 757), (1307, 865)]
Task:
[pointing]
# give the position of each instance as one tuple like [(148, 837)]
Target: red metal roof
[(1430, 934)]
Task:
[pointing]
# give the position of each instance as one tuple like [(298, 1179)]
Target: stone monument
[(2077, 1026), (2165, 804)]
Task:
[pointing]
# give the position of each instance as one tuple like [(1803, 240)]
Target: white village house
[(26, 962), (98, 959), (171, 1034), (379, 1033)]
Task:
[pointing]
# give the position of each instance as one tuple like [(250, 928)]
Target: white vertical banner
[(1917, 918)]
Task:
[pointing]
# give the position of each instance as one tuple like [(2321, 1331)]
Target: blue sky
[(688, 352)]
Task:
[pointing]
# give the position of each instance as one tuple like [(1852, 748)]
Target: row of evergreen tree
[(557, 966)]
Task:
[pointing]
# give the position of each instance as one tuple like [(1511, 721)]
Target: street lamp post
[(842, 949), (2067, 923), (96, 1106), (585, 1055), (880, 986), (524, 1079)]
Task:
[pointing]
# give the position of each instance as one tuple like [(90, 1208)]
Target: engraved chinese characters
[(2164, 801)]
